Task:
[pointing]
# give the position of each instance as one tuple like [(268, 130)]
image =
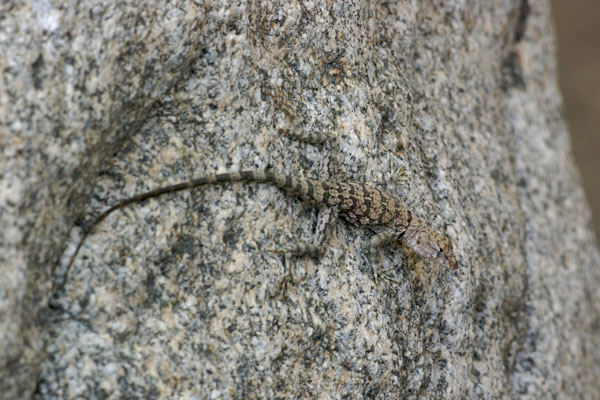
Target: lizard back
[(359, 203)]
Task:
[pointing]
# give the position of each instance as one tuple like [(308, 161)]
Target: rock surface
[(454, 107)]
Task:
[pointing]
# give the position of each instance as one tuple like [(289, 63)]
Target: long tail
[(282, 181)]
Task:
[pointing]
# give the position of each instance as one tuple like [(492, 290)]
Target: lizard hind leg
[(326, 221)]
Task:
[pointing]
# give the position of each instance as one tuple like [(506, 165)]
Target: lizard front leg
[(378, 240)]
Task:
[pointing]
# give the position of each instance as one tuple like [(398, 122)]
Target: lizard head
[(430, 244)]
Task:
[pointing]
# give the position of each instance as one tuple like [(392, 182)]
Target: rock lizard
[(360, 204)]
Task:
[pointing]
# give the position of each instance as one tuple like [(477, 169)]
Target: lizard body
[(360, 204)]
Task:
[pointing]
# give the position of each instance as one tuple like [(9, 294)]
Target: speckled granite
[(174, 298), (76, 79)]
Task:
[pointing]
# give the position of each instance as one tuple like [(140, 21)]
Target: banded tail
[(298, 186)]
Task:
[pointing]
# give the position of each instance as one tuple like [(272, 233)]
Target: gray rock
[(76, 80), (176, 297)]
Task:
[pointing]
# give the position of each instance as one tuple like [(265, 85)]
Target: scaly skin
[(360, 204)]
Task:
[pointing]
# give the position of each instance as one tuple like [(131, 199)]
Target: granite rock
[(453, 107)]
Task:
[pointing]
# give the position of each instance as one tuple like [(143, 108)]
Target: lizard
[(359, 203)]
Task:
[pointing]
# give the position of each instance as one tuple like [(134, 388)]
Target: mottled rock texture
[(451, 105)]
